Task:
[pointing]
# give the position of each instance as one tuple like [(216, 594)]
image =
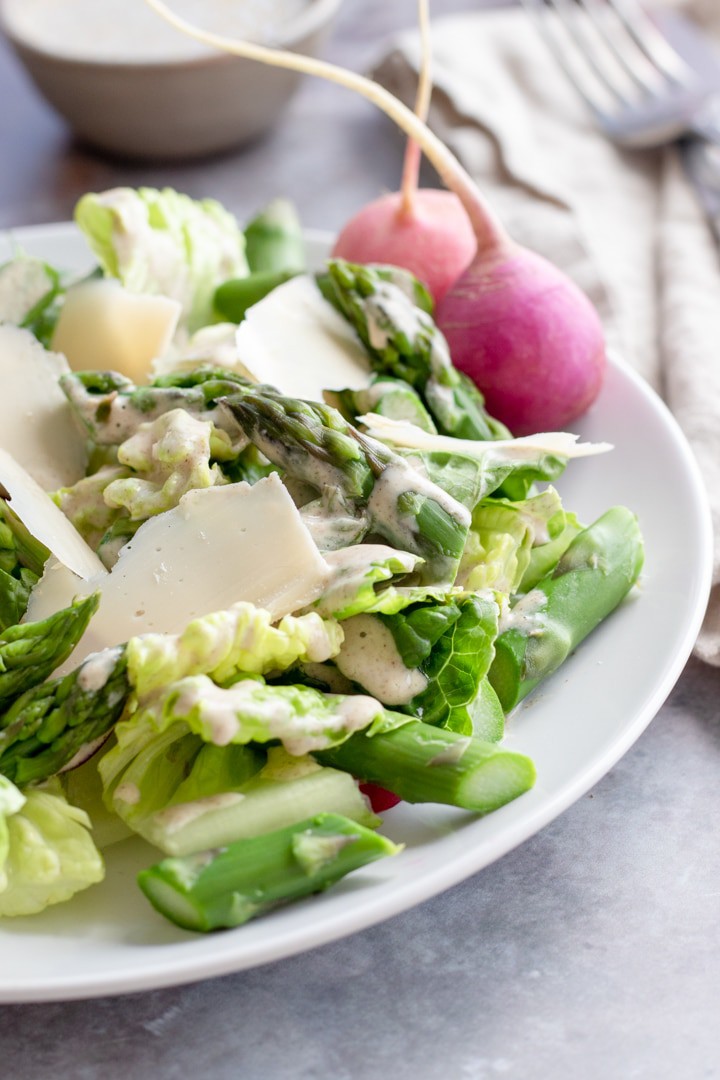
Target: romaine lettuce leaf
[(227, 644), (511, 545), (49, 853), (162, 242)]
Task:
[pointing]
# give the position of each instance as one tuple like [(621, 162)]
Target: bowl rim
[(317, 14)]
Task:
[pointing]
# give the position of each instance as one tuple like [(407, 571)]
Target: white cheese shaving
[(218, 546), (36, 422), (103, 325), (402, 433), (45, 521), (295, 340)]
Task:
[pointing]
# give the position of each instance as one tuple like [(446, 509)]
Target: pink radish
[(424, 230), (516, 325)]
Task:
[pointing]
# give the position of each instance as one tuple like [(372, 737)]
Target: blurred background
[(319, 147)]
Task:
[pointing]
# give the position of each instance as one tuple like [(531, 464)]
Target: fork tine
[(618, 39), (651, 41), (593, 48), (594, 93)]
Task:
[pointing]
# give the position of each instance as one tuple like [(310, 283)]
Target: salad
[(266, 563)]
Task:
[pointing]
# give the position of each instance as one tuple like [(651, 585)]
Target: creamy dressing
[(97, 669), (526, 616), (369, 656), (353, 566), (128, 793), (396, 480), (222, 711), (118, 31), (174, 818)]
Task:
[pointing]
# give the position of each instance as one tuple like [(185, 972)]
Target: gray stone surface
[(592, 952)]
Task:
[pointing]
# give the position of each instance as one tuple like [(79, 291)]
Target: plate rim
[(406, 894)]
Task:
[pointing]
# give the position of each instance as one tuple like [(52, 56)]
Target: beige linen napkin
[(625, 225)]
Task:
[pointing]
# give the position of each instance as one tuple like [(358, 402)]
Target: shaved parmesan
[(42, 518), (402, 433), (218, 546), (295, 340), (102, 325), (36, 422)]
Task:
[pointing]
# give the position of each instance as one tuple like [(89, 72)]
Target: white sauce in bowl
[(128, 31)]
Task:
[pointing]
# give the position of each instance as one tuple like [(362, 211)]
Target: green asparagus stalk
[(593, 576), (22, 558), (45, 728), (233, 298), (226, 888), (274, 240), (30, 652), (313, 443), (264, 803), (421, 763), (402, 340)]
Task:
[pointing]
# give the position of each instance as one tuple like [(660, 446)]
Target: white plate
[(108, 940)]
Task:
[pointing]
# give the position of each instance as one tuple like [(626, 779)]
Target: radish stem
[(486, 226), (411, 164)]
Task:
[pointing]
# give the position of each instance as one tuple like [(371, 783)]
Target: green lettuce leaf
[(437, 651), (162, 242), (49, 853), (228, 644), (512, 545), (455, 644)]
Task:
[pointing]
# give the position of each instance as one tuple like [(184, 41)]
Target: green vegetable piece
[(30, 291), (45, 728), (233, 298), (31, 651), (402, 340), (594, 575), (47, 854), (214, 889), (421, 763), (111, 408), (314, 444), (274, 241), (162, 242), (385, 396)]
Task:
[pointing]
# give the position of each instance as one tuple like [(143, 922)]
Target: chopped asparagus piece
[(543, 627), (274, 239), (421, 763), (226, 888)]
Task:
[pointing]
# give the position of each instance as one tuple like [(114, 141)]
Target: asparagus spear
[(313, 443), (22, 558), (421, 763), (48, 725), (274, 240), (595, 573), (248, 878), (403, 340), (31, 651)]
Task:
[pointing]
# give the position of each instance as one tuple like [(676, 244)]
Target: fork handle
[(701, 158)]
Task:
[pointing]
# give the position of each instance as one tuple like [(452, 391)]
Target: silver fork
[(641, 91)]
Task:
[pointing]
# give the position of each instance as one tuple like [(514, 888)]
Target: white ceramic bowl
[(179, 108)]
